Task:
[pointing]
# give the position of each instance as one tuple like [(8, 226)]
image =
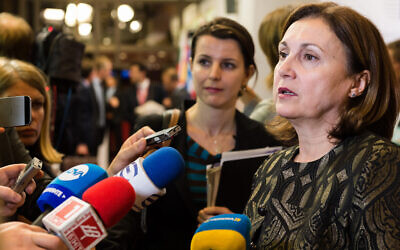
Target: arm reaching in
[(131, 149)]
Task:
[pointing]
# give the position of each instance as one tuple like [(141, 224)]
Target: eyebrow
[(225, 59), (303, 45)]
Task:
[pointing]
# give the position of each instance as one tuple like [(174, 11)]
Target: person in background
[(103, 69), (175, 96), (16, 37), (222, 63), (88, 110), (269, 35), (394, 52), (18, 78), (336, 89), (142, 95)]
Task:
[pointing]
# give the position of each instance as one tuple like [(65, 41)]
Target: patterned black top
[(196, 163), (350, 198)]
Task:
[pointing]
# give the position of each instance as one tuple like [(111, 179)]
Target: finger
[(126, 156), (12, 171), (47, 241), (31, 187), (141, 133), (9, 196)]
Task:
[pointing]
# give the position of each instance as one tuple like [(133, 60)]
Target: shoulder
[(251, 131), (376, 161)]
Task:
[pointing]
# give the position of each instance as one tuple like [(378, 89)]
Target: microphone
[(82, 224), (223, 232), (72, 182), (150, 175)]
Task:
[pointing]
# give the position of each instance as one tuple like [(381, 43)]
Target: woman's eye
[(228, 65), (282, 55), (309, 57), (37, 105), (203, 62)]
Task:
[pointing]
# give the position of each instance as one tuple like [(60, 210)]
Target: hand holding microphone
[(72, 182), (208, 212), (81, 223), (223, 232)]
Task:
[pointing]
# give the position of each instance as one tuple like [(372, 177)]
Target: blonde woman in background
[(18, 78), (269, 35)]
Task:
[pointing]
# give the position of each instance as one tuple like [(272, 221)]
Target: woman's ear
[(250, 72), (361, 81)]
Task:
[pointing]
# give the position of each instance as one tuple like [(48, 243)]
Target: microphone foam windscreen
[(223, 232), (72, 182), (163, 165), (112, 198)]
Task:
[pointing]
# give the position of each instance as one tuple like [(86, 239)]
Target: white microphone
[(150, 175)]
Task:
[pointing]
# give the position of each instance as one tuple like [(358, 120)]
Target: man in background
[(174, 95), (143, 97)]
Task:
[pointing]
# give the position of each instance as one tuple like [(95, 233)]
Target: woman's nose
[(285, 68), (215, 72)]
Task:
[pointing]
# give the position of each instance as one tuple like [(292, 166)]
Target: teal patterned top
[(348, 199)]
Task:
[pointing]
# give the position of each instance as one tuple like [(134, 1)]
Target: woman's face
[(218, 71), (310, 79), (29, 134)]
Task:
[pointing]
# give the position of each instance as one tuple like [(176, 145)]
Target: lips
[(212, 89), (286, 92), (27, 132)]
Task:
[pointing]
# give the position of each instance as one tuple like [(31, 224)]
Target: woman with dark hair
[(222, 63), (338, 188)]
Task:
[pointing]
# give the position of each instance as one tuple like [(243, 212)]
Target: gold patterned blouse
[(348, 199)]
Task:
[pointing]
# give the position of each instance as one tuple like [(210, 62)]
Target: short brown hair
[(225, 28), (16, 37), (377, 107)]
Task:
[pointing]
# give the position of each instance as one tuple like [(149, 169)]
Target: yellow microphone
[(223, 232)]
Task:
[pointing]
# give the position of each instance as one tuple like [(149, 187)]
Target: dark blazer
[(129, 100), (171, 220)]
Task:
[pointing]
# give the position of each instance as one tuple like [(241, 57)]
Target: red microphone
[(76, 222)]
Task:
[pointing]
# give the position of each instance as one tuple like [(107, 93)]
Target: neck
[(210, 120), (313, 141)]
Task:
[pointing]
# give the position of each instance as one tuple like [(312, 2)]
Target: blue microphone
[(150, 175), (72, 182), (223, 232)]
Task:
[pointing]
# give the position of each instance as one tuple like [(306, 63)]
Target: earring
[(242, 90), (353, 95)]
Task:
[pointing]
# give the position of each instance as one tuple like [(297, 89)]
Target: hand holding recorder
[(12, 199)]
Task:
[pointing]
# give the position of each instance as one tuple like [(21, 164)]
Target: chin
[(29, 141)]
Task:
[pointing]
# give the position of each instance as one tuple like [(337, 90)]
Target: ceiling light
[(53, 14), (135, 26), (70, 15), (125, 13), (84, 29), (84, 13)]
